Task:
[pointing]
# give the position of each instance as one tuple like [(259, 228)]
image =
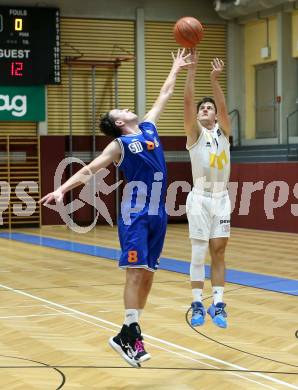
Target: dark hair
[(108, 127), (206, 99)]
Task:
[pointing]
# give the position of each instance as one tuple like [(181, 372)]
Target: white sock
[(197, 294), (131, 316), (139, 313), (217, 294)]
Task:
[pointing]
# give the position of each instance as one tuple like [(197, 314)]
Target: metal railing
[(236, 113), (288, 129)]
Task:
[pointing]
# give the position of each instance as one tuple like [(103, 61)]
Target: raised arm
[(111, 153), (192, 126), (219, 97), (179, 62)]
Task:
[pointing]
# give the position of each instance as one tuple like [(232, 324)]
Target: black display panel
[(29, 46)]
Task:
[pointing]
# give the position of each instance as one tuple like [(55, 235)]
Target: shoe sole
[(220, 326), (118, 349), (216, 324), (195, 325), (144, 358)]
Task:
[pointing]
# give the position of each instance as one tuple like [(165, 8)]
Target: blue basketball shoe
[(198, 314), (218, 314)]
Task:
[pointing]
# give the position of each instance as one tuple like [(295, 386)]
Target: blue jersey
[(142, 162), (143, 220)]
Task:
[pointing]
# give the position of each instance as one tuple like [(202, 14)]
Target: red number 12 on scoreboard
[(16, 69)]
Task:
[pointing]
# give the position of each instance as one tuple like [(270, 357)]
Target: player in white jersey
[(208, 127)]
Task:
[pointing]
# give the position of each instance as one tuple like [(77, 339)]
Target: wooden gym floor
[(59, 307)]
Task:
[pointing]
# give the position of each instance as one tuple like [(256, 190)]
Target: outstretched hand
[(217, 67), (181, 60), (55, 195)]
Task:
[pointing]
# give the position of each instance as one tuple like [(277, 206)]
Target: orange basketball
[(188, 31)]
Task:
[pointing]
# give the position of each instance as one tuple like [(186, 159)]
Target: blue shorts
[(142, 241)]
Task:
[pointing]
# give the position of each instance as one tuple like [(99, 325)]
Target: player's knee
[(139, 277), (198, 251), (197, 266), (134, 276), (218, 249)]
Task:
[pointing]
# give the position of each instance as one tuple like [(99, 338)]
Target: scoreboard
[(29, 46)]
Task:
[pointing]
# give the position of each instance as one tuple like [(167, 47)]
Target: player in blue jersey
[(137, 151)]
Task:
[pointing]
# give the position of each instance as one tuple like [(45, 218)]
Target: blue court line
[(265, 282)]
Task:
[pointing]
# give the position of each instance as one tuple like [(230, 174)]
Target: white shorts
[(208, 214)]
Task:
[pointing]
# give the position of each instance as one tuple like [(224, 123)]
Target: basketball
[(188, 31)]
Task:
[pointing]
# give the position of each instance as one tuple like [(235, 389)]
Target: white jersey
[(210, 160)]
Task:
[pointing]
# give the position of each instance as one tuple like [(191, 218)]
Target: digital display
[(29, 46)]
